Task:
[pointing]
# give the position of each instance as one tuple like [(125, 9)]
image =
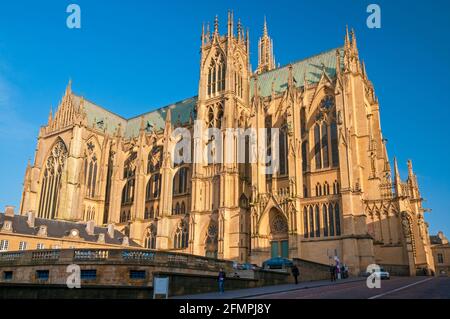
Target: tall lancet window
[(90, 168), (216, 75), (317, 153), (129, 175), (334, 143), (283, 150), (51, 181)]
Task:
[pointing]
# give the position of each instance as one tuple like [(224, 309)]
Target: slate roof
[(311, 67), (61, 229)]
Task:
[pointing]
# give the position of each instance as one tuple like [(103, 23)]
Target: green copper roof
[(312, 67), (181, 111)]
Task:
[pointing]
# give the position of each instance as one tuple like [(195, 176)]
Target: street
[(395, 288)]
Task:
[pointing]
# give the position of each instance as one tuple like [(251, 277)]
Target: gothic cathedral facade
[(334, 193)]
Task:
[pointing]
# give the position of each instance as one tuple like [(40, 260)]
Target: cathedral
[(334, 192)]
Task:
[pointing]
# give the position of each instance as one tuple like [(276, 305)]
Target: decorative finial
[(216, 25)]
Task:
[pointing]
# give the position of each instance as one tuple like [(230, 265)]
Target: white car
[(382, 274)]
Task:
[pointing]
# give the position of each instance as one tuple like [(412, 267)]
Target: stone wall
[(311, 271)]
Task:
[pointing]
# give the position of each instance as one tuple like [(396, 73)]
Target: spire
[(50, 116), (338, 62), (230, 24), (410, 169), (216, 25), (347, 38), (69, 87), (169, 119), (203, 34), (397, 179), (266, 60), (354, 45), (239, 29), (364, 73), (265, 32)]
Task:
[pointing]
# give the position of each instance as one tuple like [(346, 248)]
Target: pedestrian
[(342, 271), (333, 272), (221, 279), (295, 273)]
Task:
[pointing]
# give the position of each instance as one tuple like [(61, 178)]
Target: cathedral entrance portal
[(279, 242)]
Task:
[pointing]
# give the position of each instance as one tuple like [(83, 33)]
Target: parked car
[(277, 263), (383, 274)]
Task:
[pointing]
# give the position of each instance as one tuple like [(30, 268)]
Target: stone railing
[(113, 256)]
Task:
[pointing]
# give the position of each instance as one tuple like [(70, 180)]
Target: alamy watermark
[(74, 19), (374, 19)]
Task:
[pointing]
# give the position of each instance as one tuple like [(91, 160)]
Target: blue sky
[(133, 56)]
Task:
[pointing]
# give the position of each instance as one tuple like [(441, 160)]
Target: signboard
[(161, 286)]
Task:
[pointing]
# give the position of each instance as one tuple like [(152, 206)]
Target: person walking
[(295, 273), (333, 272), (221, 279)]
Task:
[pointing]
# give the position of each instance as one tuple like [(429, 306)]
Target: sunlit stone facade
[(334, 194)]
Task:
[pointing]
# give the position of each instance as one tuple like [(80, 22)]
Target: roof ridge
[(99, 106), (301, 60), (163, 107)]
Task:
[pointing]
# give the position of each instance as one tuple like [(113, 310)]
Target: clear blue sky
[(132, 56)]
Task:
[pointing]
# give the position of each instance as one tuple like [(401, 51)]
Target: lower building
[(26, 232), (441, 254)]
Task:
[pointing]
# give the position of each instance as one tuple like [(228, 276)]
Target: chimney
[(9, 211), (101, 238), (90, 227), (111, 230), (30, 219)]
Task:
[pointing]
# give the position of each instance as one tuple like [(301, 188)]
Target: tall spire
[(69, 87), (216, 25), (266, 60), (347, 38), (230, 24)]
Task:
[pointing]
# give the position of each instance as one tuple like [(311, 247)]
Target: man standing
[(295, 273), (333, 272), (221, 279)]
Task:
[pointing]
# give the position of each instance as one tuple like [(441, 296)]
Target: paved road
[(396, 288)]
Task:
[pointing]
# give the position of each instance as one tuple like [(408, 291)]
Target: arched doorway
[(279, 238)]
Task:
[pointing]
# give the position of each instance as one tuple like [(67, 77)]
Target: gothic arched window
[(51, 181), (317, 221), (91, 175), (334, 144), (311, 222), (337, 216), (325, 220), (150, 237), (331, 219), (216, 74), (317, 148), (305, 222), (181, 237), (154, 160), (326, 161), (283, 139), (129, 175)]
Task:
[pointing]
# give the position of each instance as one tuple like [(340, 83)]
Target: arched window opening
[(150, 237), (317, 221), (51, 181), (216, 75), (154, 160), (325, 156), (334, 144), (317, 148), (183, 208), (181, 237), (325, 220), (331, 219), (311, 222), (283, 151), (305, 222), (337, 216)]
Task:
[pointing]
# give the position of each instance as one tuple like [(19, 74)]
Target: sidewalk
[(255, 292)]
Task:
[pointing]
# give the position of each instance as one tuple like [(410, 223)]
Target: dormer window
[(74, 233), (7, 226), (42, 231)]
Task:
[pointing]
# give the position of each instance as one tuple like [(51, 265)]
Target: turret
[(266, 59)]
